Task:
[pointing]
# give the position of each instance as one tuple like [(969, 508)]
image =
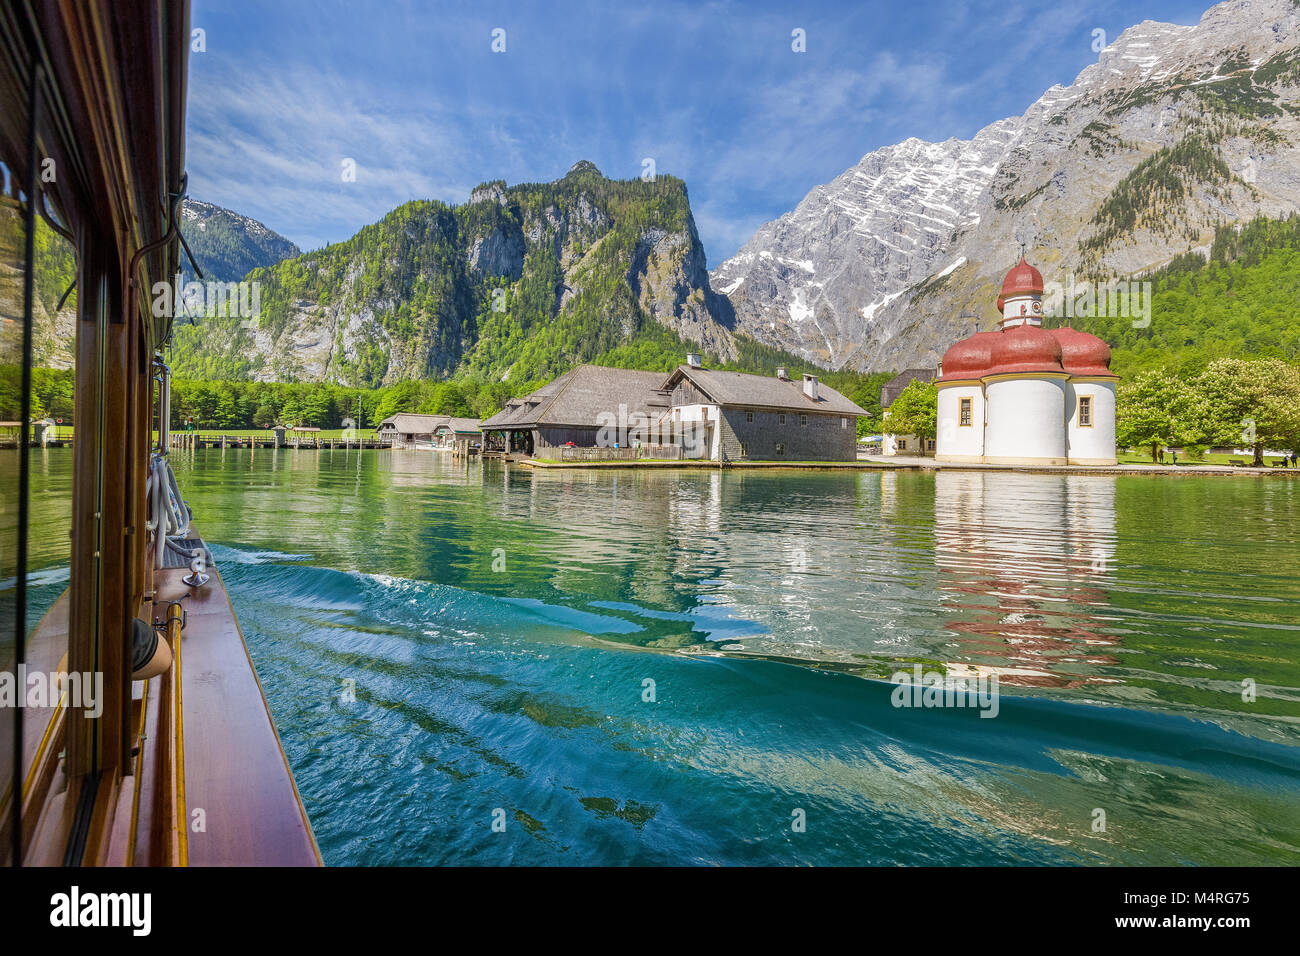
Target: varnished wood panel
[(235, 769)]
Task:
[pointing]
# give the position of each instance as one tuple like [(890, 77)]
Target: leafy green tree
[(1255, 404), (228, 412), (264, 416), (915, 411), (55, 388), (402, 397), (446, 398), (292, 413), (1152, 410), (318, 408)]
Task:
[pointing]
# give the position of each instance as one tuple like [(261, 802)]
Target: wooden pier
[(194, 440)]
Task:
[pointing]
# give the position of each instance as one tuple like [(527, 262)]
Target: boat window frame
[(23, 183), (73, 753), (87, 756)]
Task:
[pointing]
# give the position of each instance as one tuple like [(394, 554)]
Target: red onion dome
[(1081, 353), (1023, 279), (968, 358), (1025, 348)]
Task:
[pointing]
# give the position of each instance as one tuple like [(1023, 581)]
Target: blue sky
[(713, 92)]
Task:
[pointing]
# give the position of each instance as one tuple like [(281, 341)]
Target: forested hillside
[(520, 283), (226, 245), (1244, 302)]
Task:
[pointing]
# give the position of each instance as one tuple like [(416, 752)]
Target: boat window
[(12, 625), (38, 319)]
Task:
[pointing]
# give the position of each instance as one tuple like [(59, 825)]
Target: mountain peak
[(873, 269), (227, 244), (519, 283), (582, 166)]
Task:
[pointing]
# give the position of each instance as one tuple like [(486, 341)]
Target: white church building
[(1023, 394)]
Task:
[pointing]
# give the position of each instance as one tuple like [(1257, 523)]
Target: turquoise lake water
[(499, 626)]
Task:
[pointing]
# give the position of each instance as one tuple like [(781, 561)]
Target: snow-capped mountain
[(227, 245), (812, 281), (1175, 130)]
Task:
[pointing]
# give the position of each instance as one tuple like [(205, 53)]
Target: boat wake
[(415, 714)]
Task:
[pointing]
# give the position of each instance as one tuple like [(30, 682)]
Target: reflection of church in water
[(1023, 562)]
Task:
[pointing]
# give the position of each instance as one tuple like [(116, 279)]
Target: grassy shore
[(1144, 458)]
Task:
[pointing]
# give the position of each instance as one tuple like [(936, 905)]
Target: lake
[(486, 664)]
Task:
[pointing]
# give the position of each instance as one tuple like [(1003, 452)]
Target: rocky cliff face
[(669, 277), (1174, 131), (54, 329), (521, 280)]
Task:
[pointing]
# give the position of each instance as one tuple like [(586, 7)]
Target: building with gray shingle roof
[(574, 408), (894, 387), (465, 427), (725, 416), (413, 430), (765, 417)]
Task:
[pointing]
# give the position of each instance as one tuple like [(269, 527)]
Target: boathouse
[(451, 432), (409, 430), (412, 430), (575, 411)]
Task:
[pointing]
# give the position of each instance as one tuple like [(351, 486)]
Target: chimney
[(693, 359), (810, 386), (781, 374)]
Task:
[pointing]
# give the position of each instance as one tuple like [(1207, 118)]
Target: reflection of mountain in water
[(478, 689), (1127, 590)]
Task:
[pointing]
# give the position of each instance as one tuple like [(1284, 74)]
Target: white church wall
[(958, 442), (1090, 444), (1026, 420)]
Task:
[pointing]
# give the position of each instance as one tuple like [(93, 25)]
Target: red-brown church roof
[(969, 358), (1081, 353), (1025, 348), (1023, 279)]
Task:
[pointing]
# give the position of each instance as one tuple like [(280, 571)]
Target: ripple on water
[(500, 627)]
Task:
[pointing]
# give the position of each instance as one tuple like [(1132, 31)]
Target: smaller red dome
[(1081, 353), (1025, 348), (968, 358), (1023, 279)]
